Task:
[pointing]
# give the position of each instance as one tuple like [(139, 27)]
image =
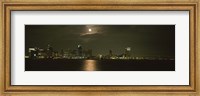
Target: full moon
[(90, 29)]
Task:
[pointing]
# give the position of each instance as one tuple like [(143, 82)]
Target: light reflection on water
[(90, 65)]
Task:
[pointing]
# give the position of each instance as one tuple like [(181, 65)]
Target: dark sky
[(144, 40)]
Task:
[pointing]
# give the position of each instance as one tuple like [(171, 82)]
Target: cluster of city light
[(80, 53)]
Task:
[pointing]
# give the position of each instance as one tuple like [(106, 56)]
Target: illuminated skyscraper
[(128, 52), (33, 53), (80, 50), (49, 51)]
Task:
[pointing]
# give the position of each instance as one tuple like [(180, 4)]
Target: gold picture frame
[(157, 5)]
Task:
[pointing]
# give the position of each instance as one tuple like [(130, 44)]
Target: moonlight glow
[(90, 30)]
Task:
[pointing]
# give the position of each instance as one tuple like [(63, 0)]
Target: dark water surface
[(98, 65)]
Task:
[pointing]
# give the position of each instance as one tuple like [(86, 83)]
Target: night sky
[(144, 40)]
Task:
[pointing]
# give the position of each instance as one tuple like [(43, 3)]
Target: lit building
[(41, 53), (49, 51), (80, 50), (128, 52), (33, 53)]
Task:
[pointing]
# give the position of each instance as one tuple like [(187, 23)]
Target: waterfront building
[(49, 51), (41, 53), (128, 52), (80, 50), (33, 53)]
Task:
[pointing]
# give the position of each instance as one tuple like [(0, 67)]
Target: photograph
[(99, 47), (124, 47)]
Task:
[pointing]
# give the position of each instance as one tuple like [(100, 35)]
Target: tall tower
[(33, 52), (128, 52), (49, 51), (80, 50)]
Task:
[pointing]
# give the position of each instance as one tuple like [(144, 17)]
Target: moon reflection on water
[(90, 65)]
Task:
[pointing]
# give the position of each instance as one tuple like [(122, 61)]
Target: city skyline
[(144, 40)]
